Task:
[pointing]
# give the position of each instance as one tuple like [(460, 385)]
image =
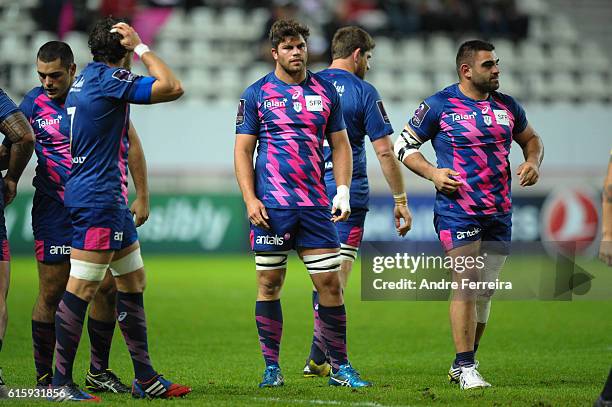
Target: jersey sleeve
[(25, 107), (7, 106), (377, 123), (335, 122), (520, 118), (247, 117), (122, 84), (426, 119)]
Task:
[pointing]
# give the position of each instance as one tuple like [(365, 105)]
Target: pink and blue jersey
[(364, 114), (98, 106), (291, 122), (51, 127), (472, 137)]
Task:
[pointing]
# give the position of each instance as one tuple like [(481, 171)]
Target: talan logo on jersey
[(270, 103), (124, 75), (270, 240), (240, 113), (501, 117), (419, 114), (314, 103), (467, 116), (43, 123), (383, 111)]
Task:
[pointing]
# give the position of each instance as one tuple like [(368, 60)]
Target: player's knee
[(348, 253), (322, 263), (129, 263), (108, 291)]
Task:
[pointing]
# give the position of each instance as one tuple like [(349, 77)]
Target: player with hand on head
[(364, 114), (104, 233), (15, 128), (287, 115), (44, 108), (471, 127)]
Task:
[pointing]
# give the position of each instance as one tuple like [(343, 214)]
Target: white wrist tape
[(341, 200), (141, 49)]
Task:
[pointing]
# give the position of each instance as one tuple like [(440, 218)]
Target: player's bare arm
[(407, 150), (605, 249), (167, 87), (391, 170), (245, 174), (533, 151), (17, 129), (342, 158), (137, 164)]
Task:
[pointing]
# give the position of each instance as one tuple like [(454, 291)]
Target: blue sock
[(464, 359), (606, 394), (317, 348), (333, 328), (269, 319), (100, 338), (68, 328), (133, 324)]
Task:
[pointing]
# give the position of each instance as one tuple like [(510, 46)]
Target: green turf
[(202, 333)]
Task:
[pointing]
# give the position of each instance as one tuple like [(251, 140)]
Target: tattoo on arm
[(20, 155), (607, 194), (15, 127)]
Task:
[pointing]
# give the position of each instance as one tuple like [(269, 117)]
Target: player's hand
[(341, 202), (402, 212), (130, 37), (444, 181), (257, 213), (605, 251), (10, 190), (528, 173), (140, 211)]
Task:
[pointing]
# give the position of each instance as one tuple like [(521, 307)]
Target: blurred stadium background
[(555, 58)]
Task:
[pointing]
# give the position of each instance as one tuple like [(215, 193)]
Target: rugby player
[(287, 115), (471, 127), (605, 254), (104, 232), (364, 114), (44, 108), (17, 129)]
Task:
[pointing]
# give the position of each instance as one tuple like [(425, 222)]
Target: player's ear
[(356, 55), (72, 70), (274, 52)]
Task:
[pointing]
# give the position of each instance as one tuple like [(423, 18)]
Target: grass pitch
[(200, 313)]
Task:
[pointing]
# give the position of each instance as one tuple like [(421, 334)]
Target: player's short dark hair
[(282, 29), (104, 45), (53, 50), (466, 52), (347, 39)]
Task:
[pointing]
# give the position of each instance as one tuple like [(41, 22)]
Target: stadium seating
[(217, 60)]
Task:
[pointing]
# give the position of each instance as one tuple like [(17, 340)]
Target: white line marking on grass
[(325, 402)]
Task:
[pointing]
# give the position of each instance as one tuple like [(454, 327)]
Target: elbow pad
[(405, 145)]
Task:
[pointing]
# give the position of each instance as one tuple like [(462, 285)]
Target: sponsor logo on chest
[(43, 123), (274, 103), (463, 116)]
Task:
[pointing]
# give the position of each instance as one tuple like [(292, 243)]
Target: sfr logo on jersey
[(314, 103), (78, 160), (501, 117)]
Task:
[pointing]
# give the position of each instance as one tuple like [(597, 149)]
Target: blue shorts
[(457, 231), (295, 228), (52, 229), (102, 228), (351, 231)]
